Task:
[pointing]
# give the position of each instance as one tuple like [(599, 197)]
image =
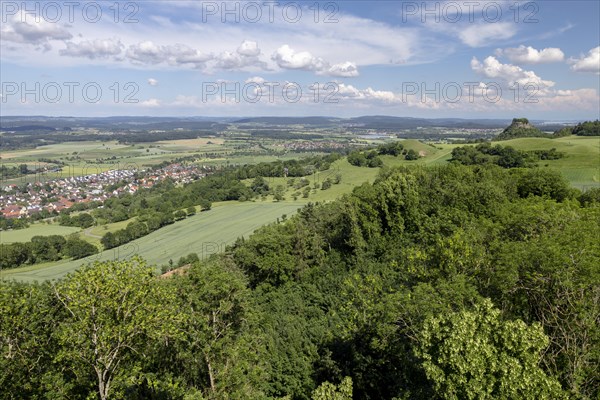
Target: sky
[(434, 59)]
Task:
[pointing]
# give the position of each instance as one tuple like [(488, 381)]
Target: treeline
[(449, 282), (292, 168), (129, 137), (369, 158), (587, 128), (13, 223), (10, 172), (365, 159), (81, 220), (25, 140), (146, 223), (44, 249), (17, 171), (504, 156)]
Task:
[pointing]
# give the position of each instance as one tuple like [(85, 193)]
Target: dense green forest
[(370, 157), (454, 282)]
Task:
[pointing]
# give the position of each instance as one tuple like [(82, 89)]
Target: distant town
[(56, 195)]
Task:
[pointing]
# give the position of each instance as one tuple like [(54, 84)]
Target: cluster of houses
[(19, 201), (315, 145)]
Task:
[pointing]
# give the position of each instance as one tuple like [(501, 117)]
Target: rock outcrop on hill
[(520, 127)]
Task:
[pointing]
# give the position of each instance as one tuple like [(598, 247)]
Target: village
[(56, 195)]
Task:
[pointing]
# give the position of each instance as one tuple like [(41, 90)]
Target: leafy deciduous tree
[(113, 308), (477, 355)]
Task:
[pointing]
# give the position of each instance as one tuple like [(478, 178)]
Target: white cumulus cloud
[(150, 103), (248, 48), (347, 69), (246, 55), (288, 58), (349, 91), (530, 55), (507, 74), (146, 52), (178, 54), (152, 82), (26, 29), (92, 49), (587, 63)]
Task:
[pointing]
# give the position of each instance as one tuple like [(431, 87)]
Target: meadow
[(205, 233), (580, 165), (39, 229)]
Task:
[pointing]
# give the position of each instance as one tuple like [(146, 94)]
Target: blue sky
[(478, 59)]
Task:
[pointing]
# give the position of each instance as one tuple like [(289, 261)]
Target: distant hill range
[(377, 122), (28, 128), (217, 124)]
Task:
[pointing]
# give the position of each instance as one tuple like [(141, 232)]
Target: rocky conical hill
[(520, 127)]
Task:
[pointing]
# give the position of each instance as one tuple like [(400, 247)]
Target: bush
[(411, 155), (77, 248)]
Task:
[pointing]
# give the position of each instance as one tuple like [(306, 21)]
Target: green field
[(351, 177), (205, 233), (40, 229)]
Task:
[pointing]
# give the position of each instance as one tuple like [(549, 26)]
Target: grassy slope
[(205, 233), (25, 235), (351, 177), (581, 164)]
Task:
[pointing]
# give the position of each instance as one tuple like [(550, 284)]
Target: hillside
[(378, 295), (579, 165), (520, 127)]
